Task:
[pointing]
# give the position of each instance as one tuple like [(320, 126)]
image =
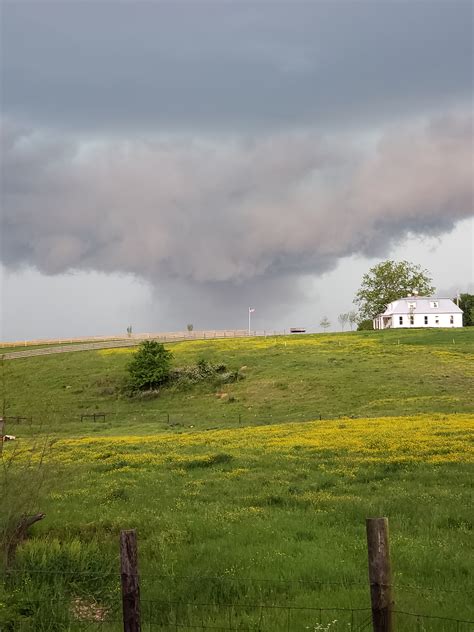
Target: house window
[(451, 320), (437, 320), (400, 320), (412, 319), (426, 320), (434, 304)]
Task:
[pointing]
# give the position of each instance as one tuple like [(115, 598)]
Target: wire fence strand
[(78, 611)]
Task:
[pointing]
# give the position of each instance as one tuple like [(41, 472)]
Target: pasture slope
[(250, 509)]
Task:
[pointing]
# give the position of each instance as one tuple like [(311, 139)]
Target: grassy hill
[(286, 378), (257, 524)]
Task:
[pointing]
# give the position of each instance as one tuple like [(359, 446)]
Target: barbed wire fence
[(46, 421), (110, 601), (80, 612)]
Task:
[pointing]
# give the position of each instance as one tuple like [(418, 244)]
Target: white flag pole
[(251, 309)]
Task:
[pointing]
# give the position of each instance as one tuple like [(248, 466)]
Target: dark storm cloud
[(119, 66), (214, 211)]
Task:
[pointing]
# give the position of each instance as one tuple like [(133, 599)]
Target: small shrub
[(204, 367), (229, 377), (150, 367), (203, 371)]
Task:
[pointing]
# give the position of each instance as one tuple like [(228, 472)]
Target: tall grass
[(23, 475)]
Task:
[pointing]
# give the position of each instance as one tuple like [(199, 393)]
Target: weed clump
[(203, 372)]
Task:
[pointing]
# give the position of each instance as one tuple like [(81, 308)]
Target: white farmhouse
[(420, 311)]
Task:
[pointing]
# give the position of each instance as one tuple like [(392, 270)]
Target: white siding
[(434, 320)]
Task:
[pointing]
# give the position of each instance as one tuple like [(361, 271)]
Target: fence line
[(185, 614), (220, 578), (169, 419), (189, 335), (173, 614), (61, 345), (74, 345)]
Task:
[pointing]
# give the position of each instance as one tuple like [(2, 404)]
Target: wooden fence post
[(380, 574), (129, 581)]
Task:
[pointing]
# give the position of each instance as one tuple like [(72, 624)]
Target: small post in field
[(129, 581), (380, 574)]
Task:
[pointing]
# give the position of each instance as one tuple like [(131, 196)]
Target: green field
[(287, 378), (244, 497)]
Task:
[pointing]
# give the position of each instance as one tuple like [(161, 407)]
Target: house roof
[(422, 306)]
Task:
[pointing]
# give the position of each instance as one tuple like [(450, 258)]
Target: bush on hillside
[(150, 367), (365, 325), (203, 371), (150, 370)]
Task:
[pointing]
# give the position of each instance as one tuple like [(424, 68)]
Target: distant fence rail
[(62, 345), (171, 418)]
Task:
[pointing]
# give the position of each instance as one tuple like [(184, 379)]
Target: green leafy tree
[(466, 303), (190, 326), (389, 281), (150, 366)]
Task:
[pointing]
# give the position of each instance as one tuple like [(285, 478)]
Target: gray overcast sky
[(165, 163)]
